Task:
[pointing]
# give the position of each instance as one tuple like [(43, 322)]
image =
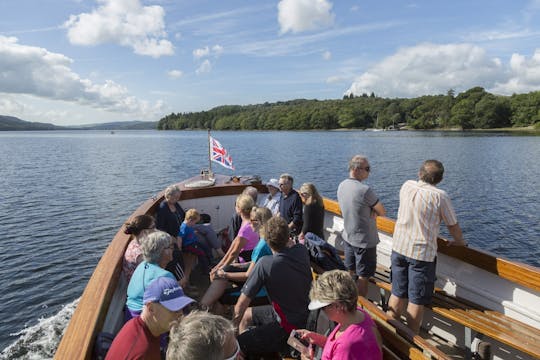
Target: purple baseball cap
[(168, 293)]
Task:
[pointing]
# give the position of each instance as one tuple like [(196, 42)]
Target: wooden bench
[(399, 339), (475, 318)]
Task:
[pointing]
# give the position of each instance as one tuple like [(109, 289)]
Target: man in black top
[(287, 278), (290, 205)]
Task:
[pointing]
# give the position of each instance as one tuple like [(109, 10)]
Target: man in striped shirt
[(422, 206)]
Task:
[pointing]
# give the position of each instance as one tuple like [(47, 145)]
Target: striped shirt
[(421, 208)]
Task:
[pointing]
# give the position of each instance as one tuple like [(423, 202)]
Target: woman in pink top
[(138, 227), (356, 335), (246, 240)]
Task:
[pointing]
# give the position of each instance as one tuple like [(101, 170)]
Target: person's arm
[(237, 276), (232, 253), (297, 214), (240, 308), (379, 209), (457, 235)]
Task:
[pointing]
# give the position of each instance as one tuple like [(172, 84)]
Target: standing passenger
[(290, 205), (360, 208), (421, 208)]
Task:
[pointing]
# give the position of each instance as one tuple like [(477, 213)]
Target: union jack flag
[(219, 154)]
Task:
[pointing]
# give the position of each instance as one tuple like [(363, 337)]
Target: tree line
[(472, 109)]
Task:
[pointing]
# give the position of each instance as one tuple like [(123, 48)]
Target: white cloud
[(199, 53), (35, 71), (430, 69), (336, 79), (205, 67), (124, 22), (215, 51), (175, 74), (304, 15), (10, 106), (327, 55), (524, 75)]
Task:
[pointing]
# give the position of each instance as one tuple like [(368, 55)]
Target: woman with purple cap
[(164, 301), (356, 335)]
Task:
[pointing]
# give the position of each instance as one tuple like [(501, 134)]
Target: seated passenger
[(286, 275), (202, 336), (290, 204), (236, 221), (239, 272), (313, 218), (139, 338), (356, 335), (246, 240), (169, 217), (157, 253), (271, 200), (138, 227), (191, 247)]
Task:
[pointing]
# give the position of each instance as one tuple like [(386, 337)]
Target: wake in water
[(41, 340)]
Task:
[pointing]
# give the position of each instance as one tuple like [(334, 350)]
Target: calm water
[(63, 196)]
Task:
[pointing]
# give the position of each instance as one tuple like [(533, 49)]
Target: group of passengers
[(266, 273)]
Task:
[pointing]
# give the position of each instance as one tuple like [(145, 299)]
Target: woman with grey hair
[(203, 336), (356, 335), (169, 218), (157, 253)]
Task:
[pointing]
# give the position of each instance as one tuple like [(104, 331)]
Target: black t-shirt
[(287, 278)]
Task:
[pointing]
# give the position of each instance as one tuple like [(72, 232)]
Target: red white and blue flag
[(220, 155)]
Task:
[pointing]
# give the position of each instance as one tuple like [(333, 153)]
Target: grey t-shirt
[(356, 201), (287, 278)]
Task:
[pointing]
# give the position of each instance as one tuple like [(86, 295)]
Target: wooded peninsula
[(472, 109)]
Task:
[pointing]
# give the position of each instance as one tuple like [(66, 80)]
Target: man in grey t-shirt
[(360, 208)]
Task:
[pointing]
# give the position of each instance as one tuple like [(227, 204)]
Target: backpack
[(323, 255)]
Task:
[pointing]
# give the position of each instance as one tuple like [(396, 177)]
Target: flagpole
[(209, 153)]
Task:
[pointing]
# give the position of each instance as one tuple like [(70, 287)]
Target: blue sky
[(71, 62)]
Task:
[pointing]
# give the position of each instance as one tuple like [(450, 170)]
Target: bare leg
[(189, 263), (396, 306), (414, 315), (362, 284), (214, 292), (246, 321)]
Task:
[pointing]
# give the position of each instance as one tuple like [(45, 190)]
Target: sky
[(74, 62)]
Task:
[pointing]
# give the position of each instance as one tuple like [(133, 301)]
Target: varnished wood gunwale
[(89, 316), (516, 272)]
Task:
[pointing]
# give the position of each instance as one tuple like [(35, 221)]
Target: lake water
[(64, 194)]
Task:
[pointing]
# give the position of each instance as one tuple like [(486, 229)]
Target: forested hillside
[(472, 109)]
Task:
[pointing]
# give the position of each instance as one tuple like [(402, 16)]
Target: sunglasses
[(367, 168)]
